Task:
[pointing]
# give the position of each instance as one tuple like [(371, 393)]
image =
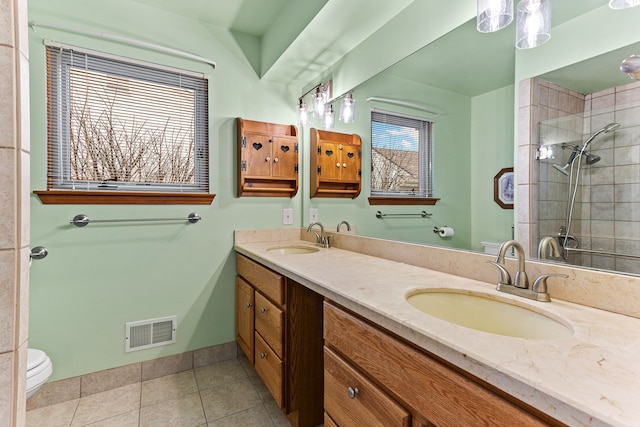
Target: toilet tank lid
[(35, 357)]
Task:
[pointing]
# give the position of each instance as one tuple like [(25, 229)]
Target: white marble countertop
[(591, 378)]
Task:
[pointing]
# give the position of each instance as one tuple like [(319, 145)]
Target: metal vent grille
[(150, 333)]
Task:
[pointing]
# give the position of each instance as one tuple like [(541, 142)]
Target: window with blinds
[(115, 124), (400, 155)]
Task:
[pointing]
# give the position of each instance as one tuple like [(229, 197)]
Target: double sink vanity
[(372, 332)]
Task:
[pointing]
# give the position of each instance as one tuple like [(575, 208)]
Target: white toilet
[(39, 369)]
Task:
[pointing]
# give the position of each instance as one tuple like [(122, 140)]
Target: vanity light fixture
[(303, 114), (347, 109), (319, 100), (623, 4), (494, 15), (533, 23), (320, 93), (328, 120)]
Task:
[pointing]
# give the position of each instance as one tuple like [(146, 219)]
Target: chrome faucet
[(345, 223), (520, 285), (521, 280), (547, 244), (321, 239)]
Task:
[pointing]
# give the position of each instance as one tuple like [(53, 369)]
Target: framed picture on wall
[(504, 188)]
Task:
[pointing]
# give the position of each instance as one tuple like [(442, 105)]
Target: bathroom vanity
[(387, 363)]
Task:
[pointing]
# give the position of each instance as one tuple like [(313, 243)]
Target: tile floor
[(225, 394)]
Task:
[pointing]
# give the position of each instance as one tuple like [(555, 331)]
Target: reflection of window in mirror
[(401, 158)]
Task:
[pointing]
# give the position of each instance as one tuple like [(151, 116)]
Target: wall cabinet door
[(284, 151), (256, 155), (335, 164)]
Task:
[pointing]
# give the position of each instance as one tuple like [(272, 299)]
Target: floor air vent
[(150, 333)]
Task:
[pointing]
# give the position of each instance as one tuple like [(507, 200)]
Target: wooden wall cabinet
[(336, 164), (279, 328), (267, 159), (374, 377)]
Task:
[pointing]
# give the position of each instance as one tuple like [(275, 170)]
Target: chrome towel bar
[(607, 253), (422, 214), (82, 220)]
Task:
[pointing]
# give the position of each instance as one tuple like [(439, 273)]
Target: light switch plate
[(287, 216), (313, 215)]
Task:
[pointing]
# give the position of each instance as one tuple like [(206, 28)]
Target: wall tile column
[(14, 210)]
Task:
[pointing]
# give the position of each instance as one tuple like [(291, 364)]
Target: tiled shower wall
[(14, 210), (606, 215)]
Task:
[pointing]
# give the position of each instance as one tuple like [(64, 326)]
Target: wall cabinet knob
[(275, 160), (263, 355), (352, 392), (248, 304), (268, 159), (263, 310), (338, 164), (344, 165)]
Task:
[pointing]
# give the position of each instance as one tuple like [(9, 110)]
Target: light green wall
[(99, 277), (492, 131)]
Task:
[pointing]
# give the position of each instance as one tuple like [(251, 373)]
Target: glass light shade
[(631, 66), (303, 115), (623, 4), (494, 15), (533, 23), (319, 99), (347, 109), (328, 120)]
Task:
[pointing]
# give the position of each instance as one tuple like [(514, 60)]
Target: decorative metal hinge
[(319, 150), (244, 166), (244, 142), (360, 173), (359, 153), (295, 168), (295, 148), (319, 170)]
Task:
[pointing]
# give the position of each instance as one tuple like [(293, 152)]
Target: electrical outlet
[(313, 215), (287, 216)]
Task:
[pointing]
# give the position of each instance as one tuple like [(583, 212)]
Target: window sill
[(75, 197), (377, 200)]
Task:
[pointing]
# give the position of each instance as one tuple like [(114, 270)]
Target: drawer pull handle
[(263, 355), (263, 310), (248, 305), (352, 392)]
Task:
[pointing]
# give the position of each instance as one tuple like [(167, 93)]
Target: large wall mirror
[(473, 82)]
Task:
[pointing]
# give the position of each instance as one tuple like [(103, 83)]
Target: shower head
[(592, 158), (608, 128)]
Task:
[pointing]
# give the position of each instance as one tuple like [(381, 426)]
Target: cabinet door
[(256, 155), (352, 400), (285, 156), (350, 162), (244, 316), (329, 160)]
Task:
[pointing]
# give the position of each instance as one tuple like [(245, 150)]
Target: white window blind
[(119, 125), (401, 155)]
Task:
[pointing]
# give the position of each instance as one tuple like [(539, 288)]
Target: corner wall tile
[(215, 354), (6, 22), (109, 379), (7, 300), (21, 385), (167, 365), (7, 98), (7, 198), (6, 385), (55, 392)]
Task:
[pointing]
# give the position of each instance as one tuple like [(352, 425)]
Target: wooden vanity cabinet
[(279, 328), (392, 374), (336, 164), (267, 159)]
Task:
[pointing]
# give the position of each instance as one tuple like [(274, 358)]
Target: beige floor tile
[(108, 404), (276, 414), (249, 369), (181, 412), (56, 415), (229, 398), (254, 417), (169, 387), (228, 371), (130, 419)]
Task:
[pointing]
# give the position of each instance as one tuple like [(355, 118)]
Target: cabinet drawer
[(328, 422), (367, 405), (441, 394), (269, 283), (269, 367), (269, 320)]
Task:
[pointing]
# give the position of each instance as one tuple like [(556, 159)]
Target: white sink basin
[(293, 249), (487, 313)]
